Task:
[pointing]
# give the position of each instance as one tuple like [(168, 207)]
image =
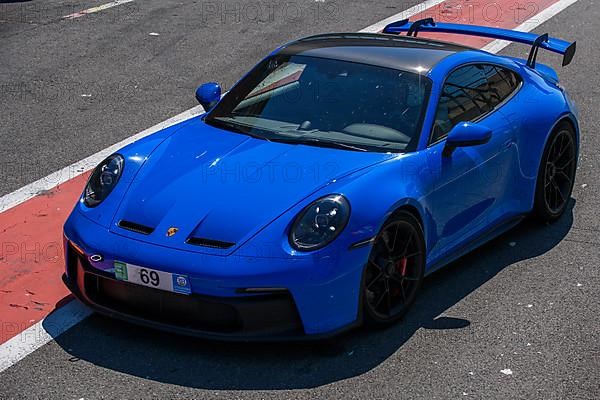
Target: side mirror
[(208, 95), (466, 134)]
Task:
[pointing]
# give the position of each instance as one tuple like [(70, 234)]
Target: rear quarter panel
[(534, 110)]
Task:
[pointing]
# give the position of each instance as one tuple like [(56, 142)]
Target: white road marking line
[(378, 26), (56, 178), (531, 24), (37, 335), (31, 190), (72, 313), (96, 9)]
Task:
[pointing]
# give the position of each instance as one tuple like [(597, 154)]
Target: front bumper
[(265, 316), (311, 302)]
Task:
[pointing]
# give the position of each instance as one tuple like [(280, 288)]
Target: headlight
[(319, 223), (103, 180)]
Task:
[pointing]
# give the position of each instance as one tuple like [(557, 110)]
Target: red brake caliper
[(401, 266)]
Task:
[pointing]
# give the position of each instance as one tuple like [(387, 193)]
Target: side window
[(502, 83), (470, 92), (465, 96)]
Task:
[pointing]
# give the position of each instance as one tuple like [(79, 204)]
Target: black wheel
[(394, 271), (556, 174)]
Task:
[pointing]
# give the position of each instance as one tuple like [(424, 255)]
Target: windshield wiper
[(231, 126), (318, 142)]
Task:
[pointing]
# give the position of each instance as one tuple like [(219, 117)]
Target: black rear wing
[(536, 42)]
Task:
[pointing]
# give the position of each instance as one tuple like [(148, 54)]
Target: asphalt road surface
[(517, 318)]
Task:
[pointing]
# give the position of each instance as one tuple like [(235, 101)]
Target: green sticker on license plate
[(120, 271)]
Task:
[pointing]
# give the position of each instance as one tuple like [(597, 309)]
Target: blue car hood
[(223, 186)]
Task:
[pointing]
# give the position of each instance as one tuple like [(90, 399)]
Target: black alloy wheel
[(556, 175), (394, 270)]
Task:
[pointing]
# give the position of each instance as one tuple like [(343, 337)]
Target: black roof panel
[(391, 51)]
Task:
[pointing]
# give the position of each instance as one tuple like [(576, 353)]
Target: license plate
[(152, 278)]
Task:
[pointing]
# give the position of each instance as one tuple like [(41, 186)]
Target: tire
[(394, 270), (556, 174)]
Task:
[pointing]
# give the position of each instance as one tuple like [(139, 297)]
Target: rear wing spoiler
[(535, 41)]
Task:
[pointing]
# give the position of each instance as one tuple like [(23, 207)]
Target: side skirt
[(490, 234)]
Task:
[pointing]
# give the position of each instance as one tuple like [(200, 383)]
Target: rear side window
[(470, 92), (502, 82)]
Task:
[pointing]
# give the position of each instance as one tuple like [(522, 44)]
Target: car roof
[(391, 51)]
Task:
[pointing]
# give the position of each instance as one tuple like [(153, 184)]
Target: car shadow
[(205, 364)]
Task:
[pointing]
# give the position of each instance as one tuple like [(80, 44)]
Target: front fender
[(374, 194), (135, 155)]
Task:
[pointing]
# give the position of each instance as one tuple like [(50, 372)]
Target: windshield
[(318, 101)]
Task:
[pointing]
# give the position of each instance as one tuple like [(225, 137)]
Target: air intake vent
[(216, 244), (135, 227)]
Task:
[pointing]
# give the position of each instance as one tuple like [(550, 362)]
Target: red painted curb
[(31, 257), (506, 14)]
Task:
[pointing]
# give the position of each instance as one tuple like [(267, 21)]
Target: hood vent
[(215, 244), (135, 227)]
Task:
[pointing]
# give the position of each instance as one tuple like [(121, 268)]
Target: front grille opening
[(216, 244), (163, 307), (135, 227), (255, 314), (72, 257)]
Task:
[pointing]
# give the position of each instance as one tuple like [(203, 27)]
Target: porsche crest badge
[(171, 231)]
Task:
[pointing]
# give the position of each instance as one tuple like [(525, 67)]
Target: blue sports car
[(317, 193)]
